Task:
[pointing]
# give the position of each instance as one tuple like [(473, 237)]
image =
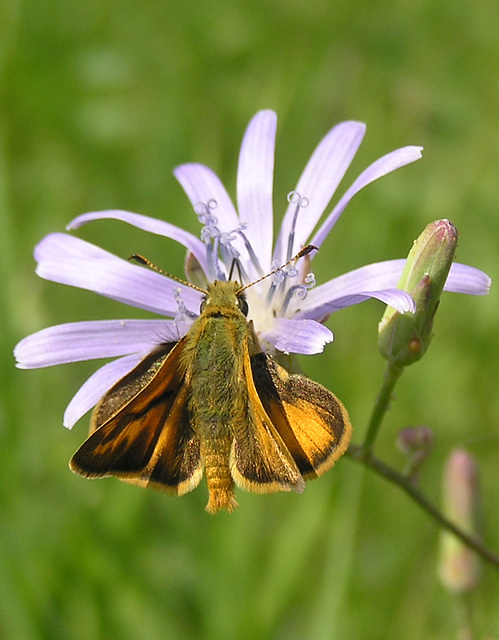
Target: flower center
[(288, 283)]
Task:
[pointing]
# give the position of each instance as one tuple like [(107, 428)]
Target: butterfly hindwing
[(312, 422)]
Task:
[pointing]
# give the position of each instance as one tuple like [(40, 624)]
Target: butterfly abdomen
[(217, 398), (218, 477)]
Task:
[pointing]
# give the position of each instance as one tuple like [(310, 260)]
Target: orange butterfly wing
[(311, 421), (140, 430), (260, 461)]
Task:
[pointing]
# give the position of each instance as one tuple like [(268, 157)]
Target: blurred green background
[(99, 101)]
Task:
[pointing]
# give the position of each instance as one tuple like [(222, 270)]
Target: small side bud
[(404, 338), (416, 443), (458, 567)]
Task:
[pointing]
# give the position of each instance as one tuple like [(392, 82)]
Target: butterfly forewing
[(130, 385), (149, 438), (260, 460), (175, 465)]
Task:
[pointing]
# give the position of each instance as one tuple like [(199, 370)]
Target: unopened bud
[(459, 569), (416, 443), (404, 338)]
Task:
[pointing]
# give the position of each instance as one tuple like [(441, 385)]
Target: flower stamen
[(182, 314), (209, 235), (277, 281), (250, 250), (220, 244), (301, 202), (300, 290)]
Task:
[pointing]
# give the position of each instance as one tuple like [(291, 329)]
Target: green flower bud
[(404, 338), (458, 567)]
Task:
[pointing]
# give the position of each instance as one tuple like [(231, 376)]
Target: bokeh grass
[(99, 101)]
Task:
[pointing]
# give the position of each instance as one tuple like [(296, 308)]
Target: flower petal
[(464, 279), (68, 260), (395, 298), (383, 275), (255, 176), (152, 225), (381, 167), (318, 182), (298, 336), (201, 185), (78, 341), (97, 385), (371, 280)]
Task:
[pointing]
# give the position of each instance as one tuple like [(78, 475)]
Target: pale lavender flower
[(287, 309)]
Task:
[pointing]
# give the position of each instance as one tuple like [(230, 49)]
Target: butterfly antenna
[(304, 252), (141, 260)]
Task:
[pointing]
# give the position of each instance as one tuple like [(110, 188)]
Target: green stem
[(359, 454), (392, 374)]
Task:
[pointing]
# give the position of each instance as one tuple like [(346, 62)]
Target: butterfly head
[(224, 295)]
